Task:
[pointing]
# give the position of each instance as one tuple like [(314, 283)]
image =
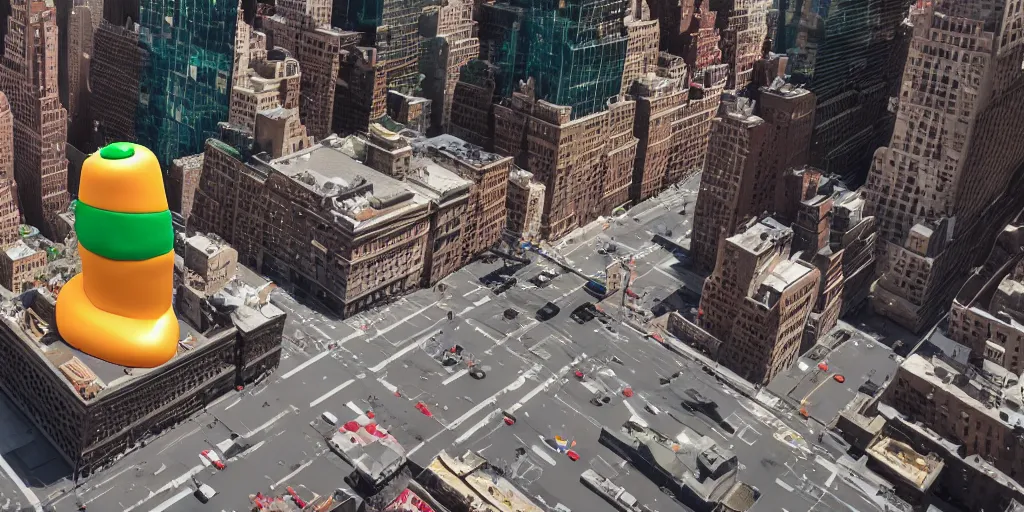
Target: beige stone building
[(266, 95), (449, 235), (642, 46), (302, 27), (525, 206), (950, 177), (757, 301)]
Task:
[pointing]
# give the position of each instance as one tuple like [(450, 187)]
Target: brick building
[(951, 178), (614, 178), (757, 301), (660, 100), (642, 46), (743, 25), (733, 187), (80, 50), (28, 76), (525, 206), (6, 138), (472, 109), (93, 411), (360, 96), (704, 52), (114, 72), (303, 28), (691, 128), (339, 231), (450, 227), (488, 173), (443, 56), (573, 158), (789, 113)]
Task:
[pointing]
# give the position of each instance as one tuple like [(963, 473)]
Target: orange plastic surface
[(127, 185), (131, 342), (139, 289)]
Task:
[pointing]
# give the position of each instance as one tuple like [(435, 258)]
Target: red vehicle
[(212, 457)]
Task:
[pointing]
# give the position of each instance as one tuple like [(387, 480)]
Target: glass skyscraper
[(850, 53), (185, 86)]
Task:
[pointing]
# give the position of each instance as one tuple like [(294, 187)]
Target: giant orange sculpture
[(119, 308)]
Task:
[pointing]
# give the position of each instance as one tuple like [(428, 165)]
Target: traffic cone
[(119, 307)]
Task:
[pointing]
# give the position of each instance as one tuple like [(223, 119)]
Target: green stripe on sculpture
[(124, 236)]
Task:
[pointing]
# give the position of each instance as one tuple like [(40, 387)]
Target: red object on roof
[(351, 426), (822, 366), (657, 337), (509, 420), (371, 428), (628, 392), (370, 414), (839, 378), (579, 374), (573, 455)]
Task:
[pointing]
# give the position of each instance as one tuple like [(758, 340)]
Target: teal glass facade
[(185, 87)]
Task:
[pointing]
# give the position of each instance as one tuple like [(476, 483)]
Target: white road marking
[(354, 408), (401, 353), (331, 393), (306, 364), (232, 404), (455, 376), (165, 448), (268, 424), (481, 302), (415, 449), (173, 484), (543, 385), (516, 384), (540, 452), (479, 425), (293, 473), (406, 319), (387, 385), (172, 500)]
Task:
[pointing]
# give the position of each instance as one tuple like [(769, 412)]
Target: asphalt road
[(386, 361)]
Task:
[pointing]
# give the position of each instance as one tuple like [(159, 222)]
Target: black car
[(584, 313), (543, 279), (548, 312), (503, 287)]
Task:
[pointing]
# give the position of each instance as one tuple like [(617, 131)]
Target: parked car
[(543, 279), (504, 287), (548, 312), (583, 313)]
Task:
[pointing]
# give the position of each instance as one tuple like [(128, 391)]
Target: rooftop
[(980, 391), (26, 315), (761, 236), (458, 149), (360, 195), (785, 274), (917, 469), (20, 250), (434, 180)]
